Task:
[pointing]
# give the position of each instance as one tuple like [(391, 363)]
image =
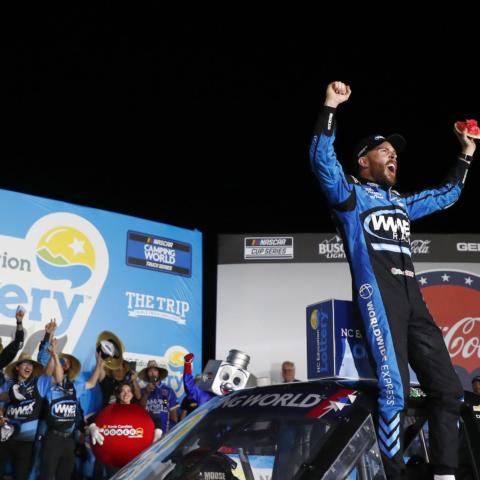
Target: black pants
[(430, 360), (20, 454), (58, 457), (418, 340)]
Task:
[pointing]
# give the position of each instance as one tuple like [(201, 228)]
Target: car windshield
[(244, 446)]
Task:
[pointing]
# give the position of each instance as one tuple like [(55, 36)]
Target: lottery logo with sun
[(65, 253)]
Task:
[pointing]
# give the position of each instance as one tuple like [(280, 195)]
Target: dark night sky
[(206, 124)]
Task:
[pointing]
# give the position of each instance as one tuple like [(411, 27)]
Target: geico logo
[(468, 247), (123, 432), (21, 411), (64, 410)]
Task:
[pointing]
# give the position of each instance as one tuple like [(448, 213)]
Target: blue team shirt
[(159, 404)]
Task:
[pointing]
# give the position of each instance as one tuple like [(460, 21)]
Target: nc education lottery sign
[(94, 270)]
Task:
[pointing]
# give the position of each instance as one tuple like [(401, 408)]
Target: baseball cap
[(476, 379), (369, 143)]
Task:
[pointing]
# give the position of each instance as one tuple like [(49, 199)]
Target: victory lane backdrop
[(94, 270), (278, 276)]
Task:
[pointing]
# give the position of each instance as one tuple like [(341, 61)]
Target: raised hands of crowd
[(50, 327)]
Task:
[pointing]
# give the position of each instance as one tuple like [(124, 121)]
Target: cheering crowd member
[(158, 398), (63, 414), (8, 353), (26, 392)]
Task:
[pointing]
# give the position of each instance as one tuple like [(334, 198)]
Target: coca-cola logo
[(420, 247), (460, 341), (453, 298)]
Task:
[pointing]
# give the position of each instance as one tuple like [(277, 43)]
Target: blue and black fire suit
[(374, 222)]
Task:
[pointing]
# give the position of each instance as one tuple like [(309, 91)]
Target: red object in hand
[(127, 431), (470, 126), (187, 366)]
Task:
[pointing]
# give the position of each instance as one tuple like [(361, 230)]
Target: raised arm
[(337, 93), (445, 195), (191, 389), (96, 375), (322, 154), (57, 366), (43, 353), (11, 350)]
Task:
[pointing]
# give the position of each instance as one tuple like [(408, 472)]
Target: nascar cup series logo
[(268, 248), (453, 298), (60, 268)]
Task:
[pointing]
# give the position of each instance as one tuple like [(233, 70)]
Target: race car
[(296, 431)]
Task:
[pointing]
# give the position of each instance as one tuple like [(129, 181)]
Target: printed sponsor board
[(67, 262)]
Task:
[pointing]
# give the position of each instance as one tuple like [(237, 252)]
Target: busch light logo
[(388, 225), (420, 247), (62, 263), (332, 248), (453, 298), (365, 291), (64, 410)]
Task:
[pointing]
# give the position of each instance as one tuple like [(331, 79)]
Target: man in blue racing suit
[(374, 222)]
